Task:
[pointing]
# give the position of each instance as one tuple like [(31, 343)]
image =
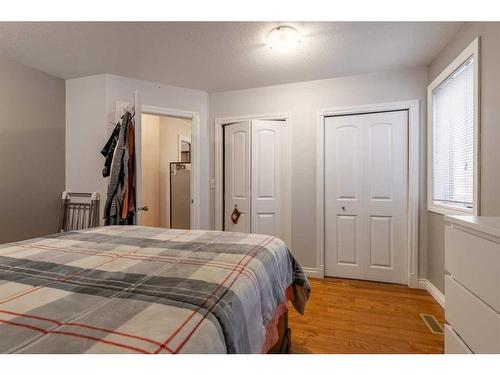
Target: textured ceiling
[(217, 56)]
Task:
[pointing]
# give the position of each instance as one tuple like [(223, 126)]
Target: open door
[(173, 138), (138, 160)]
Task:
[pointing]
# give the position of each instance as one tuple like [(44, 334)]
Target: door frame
[(219, 123), (195, 157), (413, 107)]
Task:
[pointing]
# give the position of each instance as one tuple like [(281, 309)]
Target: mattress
[(133, 289)]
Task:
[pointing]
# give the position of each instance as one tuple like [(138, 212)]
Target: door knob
[(143, 208), (235, 215)]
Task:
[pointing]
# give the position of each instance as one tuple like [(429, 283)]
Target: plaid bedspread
[(131, 289)]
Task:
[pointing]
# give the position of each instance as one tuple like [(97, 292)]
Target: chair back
[(78, 211)]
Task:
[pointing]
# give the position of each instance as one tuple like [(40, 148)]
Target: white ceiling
[(217, 56)]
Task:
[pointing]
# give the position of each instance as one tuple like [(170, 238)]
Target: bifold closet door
[(254, 171), (366, 196), (267, 177), (237, 161)]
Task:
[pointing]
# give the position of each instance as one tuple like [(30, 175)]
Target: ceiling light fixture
[(282, 38)]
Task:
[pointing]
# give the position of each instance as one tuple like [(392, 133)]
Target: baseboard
[(422, 284), (315, 273), (413, 282), (433, 291)]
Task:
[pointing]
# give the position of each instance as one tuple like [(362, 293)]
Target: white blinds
[(453, 138)]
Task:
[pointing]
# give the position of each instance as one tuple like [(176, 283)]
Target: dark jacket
[(109, 149), (116, 209)]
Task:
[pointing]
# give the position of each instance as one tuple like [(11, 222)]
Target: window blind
[(453, 138)]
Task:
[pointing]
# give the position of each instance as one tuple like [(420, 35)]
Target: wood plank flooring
[(350, 316)]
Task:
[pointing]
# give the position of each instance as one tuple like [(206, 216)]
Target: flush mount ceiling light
[(283, 38)]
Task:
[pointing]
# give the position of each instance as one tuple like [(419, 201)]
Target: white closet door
[(344, 226), (365, 196), (237, 176), (267, 177)]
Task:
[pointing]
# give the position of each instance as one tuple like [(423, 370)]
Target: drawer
[(453, 344), (475, 263), (475, 322)]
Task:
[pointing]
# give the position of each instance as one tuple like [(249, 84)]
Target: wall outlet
[(211, 183)]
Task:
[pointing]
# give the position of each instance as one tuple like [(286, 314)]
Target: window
[(453, 136)]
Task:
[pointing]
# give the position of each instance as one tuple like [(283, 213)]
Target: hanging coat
[(109, 149), (128, 210), (119, 181)]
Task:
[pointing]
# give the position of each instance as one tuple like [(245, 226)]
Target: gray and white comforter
[(131, 289)]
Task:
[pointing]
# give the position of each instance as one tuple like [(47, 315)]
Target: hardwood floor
[(351, 316)]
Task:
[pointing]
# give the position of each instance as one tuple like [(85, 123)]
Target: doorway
[(166, 154), (366, 194)]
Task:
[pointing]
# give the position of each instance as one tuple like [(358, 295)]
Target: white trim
[(195, 155), (414, 282), (444, 209), (120, 108), (433, 291), (421, 283), (413, 107), (314, 273), (472, 50), (218, 125)]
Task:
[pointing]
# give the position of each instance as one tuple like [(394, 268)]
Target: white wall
[(303, 101), (86, 133), (91, 105)]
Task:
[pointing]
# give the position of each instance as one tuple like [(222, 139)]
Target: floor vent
[(432, 323)]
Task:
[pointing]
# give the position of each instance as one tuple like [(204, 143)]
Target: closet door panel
[(344, 221), (381, 234), (267, 185), (265, 224), (265, 159), (237, 176)]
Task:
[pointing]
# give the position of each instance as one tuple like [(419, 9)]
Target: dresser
[(472, 284)]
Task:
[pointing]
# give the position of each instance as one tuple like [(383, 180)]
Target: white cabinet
[(472, 284), (453, 343)]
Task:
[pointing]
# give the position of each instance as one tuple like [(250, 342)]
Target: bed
[(133, 289)]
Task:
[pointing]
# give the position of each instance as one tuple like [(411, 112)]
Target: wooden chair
[(79, 211)]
